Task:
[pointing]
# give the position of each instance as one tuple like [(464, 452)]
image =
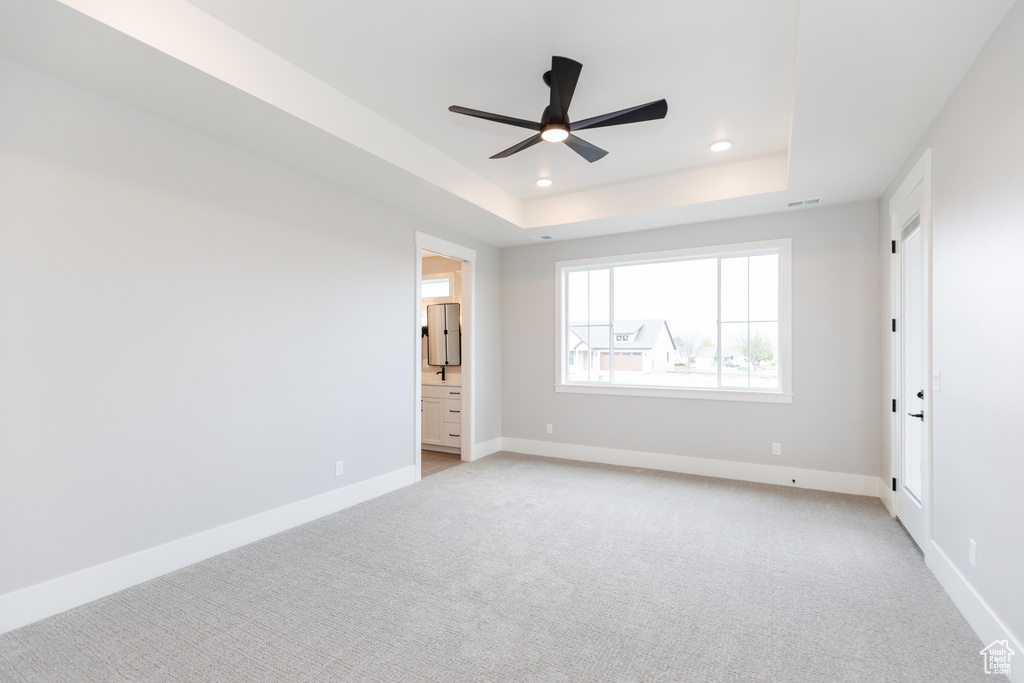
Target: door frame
[(912, 198), (458, 252)]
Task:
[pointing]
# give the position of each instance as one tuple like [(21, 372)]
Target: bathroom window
[(436, 288)]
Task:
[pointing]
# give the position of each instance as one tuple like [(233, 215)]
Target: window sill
[(673, 392)]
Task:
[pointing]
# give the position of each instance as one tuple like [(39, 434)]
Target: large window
[(708, 322)]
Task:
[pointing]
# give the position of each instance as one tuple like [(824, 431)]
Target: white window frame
[(782, 394), (437, 277)]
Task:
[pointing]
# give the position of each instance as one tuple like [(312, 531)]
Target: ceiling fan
[(554, 124)]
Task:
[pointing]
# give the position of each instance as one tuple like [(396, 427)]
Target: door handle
[(919, 416)]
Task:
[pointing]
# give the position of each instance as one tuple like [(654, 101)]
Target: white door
[(910, 428), (910, 478)]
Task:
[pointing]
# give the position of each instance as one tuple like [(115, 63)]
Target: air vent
[(804, 202)]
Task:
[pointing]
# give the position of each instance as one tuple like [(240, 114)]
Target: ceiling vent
[(804, 202)]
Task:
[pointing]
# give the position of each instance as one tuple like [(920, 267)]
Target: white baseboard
[(978, 613), (482, 450), (838, 482), (37, 602)]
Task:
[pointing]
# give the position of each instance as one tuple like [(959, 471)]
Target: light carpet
[(519, 568)]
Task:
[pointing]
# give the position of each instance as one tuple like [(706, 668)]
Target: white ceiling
[(726, 69), (820, 98)]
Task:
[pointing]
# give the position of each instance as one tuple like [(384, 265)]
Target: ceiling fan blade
[(518, 147), (586, 150), (641, 112), (565, 73), (495, 117)]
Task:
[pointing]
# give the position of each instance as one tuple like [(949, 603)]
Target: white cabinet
[(451, 392), (441, 410), (451, 430), (430, 410)]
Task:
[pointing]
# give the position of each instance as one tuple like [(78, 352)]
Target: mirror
[(444, 335)]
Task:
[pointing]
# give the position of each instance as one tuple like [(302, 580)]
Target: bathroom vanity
[(441, 411)]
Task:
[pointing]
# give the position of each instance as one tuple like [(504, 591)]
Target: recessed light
[(720, 145), (543, 182)]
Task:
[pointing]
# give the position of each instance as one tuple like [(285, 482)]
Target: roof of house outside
[(645, 334)]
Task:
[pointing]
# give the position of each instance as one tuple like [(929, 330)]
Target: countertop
[(436, 379)]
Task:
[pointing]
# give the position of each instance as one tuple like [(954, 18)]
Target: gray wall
[(977, 143), (190, 334), (833, 422)]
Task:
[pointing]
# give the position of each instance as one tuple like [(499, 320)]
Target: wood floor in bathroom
[(435, 461)]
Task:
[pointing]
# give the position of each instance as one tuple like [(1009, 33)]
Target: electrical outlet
[(550, 429), (776, 449), (339, 468), (974, 552)]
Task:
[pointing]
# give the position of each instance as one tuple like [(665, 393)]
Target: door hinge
[(894, 405), (894, 483), (894, 246), (894, 324)]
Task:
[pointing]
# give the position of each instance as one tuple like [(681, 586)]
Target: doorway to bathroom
[(444, 355)]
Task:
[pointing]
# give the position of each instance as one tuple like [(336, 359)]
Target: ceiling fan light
[(720, 145), (555, 133)]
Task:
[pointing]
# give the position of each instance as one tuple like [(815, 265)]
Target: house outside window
[(711, 322)]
